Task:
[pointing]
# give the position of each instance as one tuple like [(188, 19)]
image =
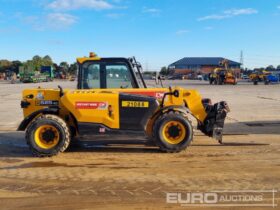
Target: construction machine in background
[(264, 76), (272, 78), (112, 99), (28, 74), (223, 75)]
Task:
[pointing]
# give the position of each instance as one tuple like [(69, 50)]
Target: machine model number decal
[(135, 104), (46, 103), (92, 105)]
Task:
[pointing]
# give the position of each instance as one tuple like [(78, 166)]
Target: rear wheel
[(47, 136), (266, 82), (173, 132)]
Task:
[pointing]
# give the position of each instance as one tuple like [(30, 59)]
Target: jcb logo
[(135, 104)]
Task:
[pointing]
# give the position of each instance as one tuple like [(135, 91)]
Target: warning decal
[(92, 105)]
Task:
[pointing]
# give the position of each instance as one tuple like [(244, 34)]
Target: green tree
[(56, 67), (259, 69), (270, 68), (47, 61), (5, 65), (37, 62), (73, 69), (164, 71), (64, 66), (15, 66), (28, 63)]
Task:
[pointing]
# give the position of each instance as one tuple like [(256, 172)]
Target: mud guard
[(213, 124), (50, 110)]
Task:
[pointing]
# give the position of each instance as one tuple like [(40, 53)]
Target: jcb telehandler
[(112, 98)]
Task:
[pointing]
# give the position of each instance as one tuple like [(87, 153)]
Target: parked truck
[(28, 74), (48, 72)]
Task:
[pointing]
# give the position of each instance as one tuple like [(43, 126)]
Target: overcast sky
[(157, 32)]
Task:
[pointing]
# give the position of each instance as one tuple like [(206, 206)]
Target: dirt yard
[(133, 176)]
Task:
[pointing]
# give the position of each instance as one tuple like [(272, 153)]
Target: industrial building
[(200, 66)]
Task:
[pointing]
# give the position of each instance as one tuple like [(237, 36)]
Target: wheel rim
[(46, 136), (174, 132)]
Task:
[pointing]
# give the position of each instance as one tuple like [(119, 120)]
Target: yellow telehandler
[(112, 98)]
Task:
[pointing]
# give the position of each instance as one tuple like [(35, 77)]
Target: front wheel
[(173, 132), (47, 136)]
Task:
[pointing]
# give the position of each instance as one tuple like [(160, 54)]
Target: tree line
[(36, 62)]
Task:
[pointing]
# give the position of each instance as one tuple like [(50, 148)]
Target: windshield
[(118, 76)]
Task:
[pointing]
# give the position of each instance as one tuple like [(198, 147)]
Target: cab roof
[(85, 59)]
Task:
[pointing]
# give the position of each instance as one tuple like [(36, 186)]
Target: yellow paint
[(67, 103), (260, 74), (38, 137), (135, 104), (174, 140), (82, 60), (71, 98), (193, 100), (47, 94)]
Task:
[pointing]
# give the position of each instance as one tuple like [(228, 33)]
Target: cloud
[(44, 22), (9, 30), (151, 10), (182, 32), (60, 20), (31, 19), (34, 21), (213, 17), (229, 14), (78, 4), (236, 12), (208, 28), (114, 15)]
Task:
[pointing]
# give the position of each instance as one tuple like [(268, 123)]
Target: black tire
[(266, 82), (63, 139), (159, 136), (215, 82)]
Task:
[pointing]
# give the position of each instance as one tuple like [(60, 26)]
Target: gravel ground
[(93, 176)]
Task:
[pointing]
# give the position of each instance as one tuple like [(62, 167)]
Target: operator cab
[(109, 73)]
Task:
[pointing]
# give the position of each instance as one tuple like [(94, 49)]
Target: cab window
[(118, 76)]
